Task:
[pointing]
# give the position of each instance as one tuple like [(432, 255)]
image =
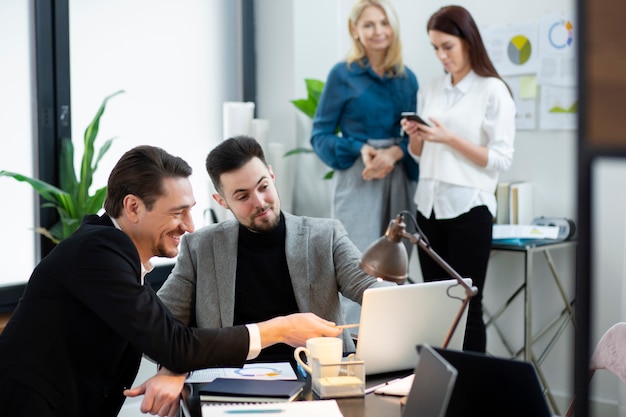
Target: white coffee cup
[(325, 349)]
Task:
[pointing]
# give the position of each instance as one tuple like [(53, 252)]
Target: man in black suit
[(76, 338)]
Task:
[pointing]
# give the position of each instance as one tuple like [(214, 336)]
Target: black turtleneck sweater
[(263, 287)]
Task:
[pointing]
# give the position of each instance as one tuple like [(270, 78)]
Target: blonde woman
[(356, 129)]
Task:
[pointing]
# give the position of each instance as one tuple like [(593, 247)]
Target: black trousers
[(465, 244)]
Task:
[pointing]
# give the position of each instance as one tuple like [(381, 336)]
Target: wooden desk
[(371, 405)]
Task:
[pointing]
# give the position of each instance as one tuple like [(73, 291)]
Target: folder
[(250, 390)]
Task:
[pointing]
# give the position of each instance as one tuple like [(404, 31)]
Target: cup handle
[(296, 355)]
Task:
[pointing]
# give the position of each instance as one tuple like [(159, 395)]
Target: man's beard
[(265, 225)]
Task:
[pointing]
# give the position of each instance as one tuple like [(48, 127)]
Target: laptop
[(432, 386), (492, 386), (396, 319)]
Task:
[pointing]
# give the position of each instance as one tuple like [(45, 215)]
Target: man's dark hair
[(230, 155), (141, 172)]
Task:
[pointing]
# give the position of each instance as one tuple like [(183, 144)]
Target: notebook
[(318, 408), (490, 386), (250, 390), (432, 385), (396, 319)]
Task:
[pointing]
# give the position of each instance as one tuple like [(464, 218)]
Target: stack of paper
[(524, 231), (262, 370), (399, 388), (325, 408)]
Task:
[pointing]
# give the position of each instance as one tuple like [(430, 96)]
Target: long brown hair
[(457, 21)]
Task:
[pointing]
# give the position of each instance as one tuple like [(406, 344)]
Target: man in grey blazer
[(74, 343), (265, 262)]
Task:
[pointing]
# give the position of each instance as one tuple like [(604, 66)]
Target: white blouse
[(448, 201)]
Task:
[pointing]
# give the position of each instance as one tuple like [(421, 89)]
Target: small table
[(529, 249)]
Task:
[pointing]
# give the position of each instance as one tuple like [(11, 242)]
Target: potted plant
[(308, 106), (72, 199)]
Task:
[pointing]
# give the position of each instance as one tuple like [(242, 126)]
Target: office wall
[(298, 40), (17, 127), (177, 61)]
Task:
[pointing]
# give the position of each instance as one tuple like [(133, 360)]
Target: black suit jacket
[(78, 332)]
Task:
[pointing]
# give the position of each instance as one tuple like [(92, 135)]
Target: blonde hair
[(393, 64)]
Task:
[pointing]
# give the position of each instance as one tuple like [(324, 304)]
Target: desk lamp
[(387, 258)]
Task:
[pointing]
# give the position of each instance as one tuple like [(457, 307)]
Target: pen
[(348, 326), (255, 411), (375, 387)]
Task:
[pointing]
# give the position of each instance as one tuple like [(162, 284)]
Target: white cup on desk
[(326, 350)]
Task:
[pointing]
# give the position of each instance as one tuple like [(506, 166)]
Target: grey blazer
[(322, 263)]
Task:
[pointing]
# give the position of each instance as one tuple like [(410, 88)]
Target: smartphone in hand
[(414, 116)]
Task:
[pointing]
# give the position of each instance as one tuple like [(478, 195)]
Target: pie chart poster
[(514, 49)]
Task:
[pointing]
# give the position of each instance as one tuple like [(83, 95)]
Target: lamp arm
[(469, 291), (416, 239), (388, 244)]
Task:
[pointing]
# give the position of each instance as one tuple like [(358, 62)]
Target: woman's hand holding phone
[(409, 115)]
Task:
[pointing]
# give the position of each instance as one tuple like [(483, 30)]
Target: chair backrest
[(609, 354)]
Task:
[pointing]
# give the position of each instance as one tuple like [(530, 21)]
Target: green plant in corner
[(308, 106), (72, 199)]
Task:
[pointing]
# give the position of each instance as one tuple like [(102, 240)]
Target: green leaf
[(67, 174), (71, 199), (96, 201), (306, 106), (314, 89), (87, 169), (297, 151), (47, 191)]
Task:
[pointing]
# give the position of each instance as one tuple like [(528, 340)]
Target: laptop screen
[(396, 319), (432, 386), (492, 386)]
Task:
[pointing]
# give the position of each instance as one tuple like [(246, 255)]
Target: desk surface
[(371, 405), (530, 244)]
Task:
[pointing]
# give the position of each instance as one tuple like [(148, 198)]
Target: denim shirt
[(362, 105)]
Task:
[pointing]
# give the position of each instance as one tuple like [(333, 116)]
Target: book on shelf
[(228, 390), (502, 203), (521, 202)]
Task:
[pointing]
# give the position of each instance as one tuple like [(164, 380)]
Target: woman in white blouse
[(468, 142)]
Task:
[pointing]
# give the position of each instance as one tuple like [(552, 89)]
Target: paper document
[(398, 388), (325, 408), (273, 370), (521, 231)]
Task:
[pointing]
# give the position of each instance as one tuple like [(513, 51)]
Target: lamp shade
[(387, 257)]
